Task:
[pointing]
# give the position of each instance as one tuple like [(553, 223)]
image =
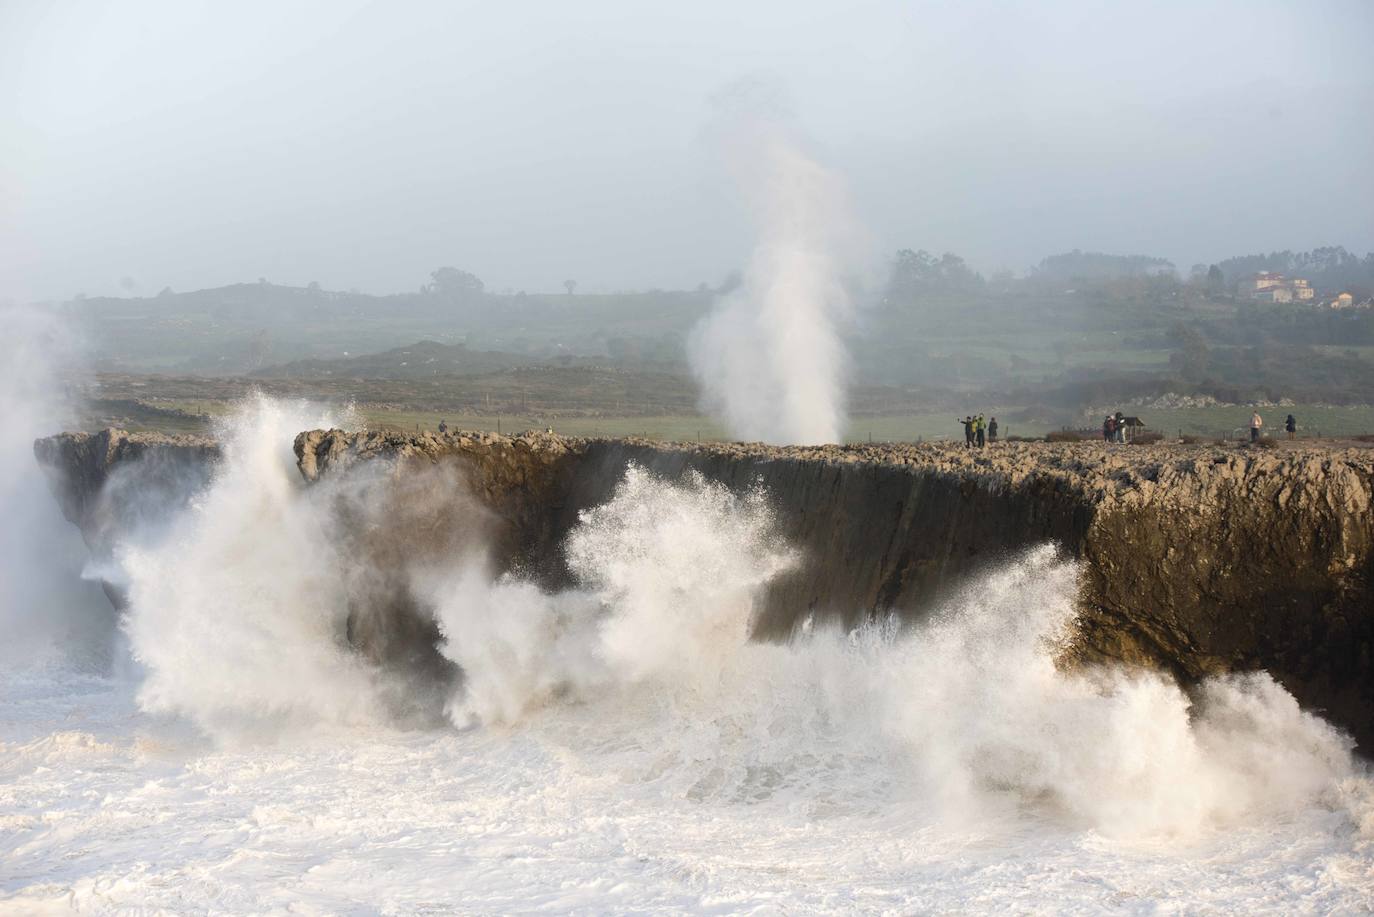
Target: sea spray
[(48, 614), (768, 357), (668, 573), (643, 673), (239, 614)]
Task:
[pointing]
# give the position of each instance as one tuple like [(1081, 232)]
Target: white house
[(1269, 286)]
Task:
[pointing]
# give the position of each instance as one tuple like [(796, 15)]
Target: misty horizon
[(1120, 262), (194, 147)]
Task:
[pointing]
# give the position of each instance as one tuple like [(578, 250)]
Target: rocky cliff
[(115, 485), (1198, 559)]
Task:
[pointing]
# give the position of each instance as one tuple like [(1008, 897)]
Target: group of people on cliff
[(977, 432), (1114, 427)]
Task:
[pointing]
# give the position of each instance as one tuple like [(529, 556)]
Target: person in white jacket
[(1256, 422)]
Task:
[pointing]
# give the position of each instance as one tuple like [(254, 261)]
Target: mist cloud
[(364, 145), (769, 357)]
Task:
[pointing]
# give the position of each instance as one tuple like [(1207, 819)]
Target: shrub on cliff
[(1062, 436)]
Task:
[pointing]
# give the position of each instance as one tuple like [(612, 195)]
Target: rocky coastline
[(1198, 559)]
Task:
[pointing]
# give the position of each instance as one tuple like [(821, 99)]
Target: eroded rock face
[(1197, 559), (522, 480), (1233, 561), (115, 485)]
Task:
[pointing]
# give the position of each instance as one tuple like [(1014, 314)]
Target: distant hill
[(1081, 265), (1080, 318), (423, 359), (245, 327), (1330, 270)]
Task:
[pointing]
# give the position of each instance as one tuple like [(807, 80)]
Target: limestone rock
[(1196, 559)]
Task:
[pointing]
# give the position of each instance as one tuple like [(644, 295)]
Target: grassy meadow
[(1229, 422)]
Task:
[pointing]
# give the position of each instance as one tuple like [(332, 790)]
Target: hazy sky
[(363, 144)]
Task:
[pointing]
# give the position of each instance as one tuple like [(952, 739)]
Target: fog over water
[(362, 145)]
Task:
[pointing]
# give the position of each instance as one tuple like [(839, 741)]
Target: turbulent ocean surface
[(622, 747)]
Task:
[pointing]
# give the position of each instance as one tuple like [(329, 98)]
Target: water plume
[(239, 615), (769, 358), (668, 577)]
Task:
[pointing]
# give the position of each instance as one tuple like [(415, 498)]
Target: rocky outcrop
[(115, 485), (1233, 560), (79, 467), (1197, 559), (524, 480)]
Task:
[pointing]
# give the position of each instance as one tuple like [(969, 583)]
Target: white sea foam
[(968, 713), (668, 577), (625, 747), (238, 613)]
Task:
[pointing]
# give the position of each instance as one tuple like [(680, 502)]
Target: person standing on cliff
[(992, 430), (968, 431), (979, 428), (1291, 425), (443, 426), (1256, 422), (1109, 428)]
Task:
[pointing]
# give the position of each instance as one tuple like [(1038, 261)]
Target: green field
[(1313, 420), (1229, 422)]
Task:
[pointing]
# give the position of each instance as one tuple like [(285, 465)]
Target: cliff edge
[(1197, 559)]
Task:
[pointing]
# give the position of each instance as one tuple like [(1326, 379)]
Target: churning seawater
[(621, 746)]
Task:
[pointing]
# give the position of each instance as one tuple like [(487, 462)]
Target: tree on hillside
[(1216, 280), (1207, 278), (570, 286), (449, 281), (1081, 265), (914, 272), (1192, 356)]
